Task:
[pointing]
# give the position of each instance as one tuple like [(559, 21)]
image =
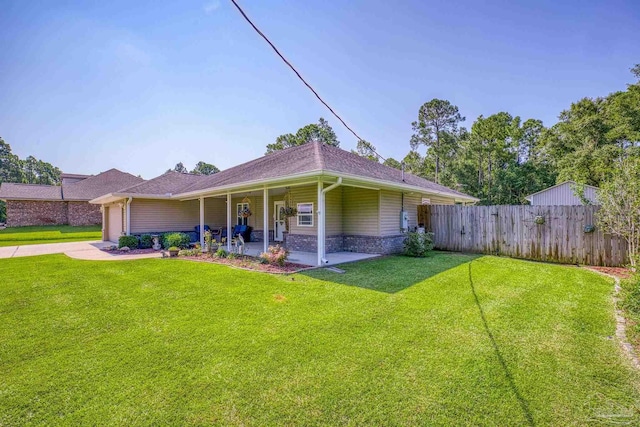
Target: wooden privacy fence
[(514, 231)]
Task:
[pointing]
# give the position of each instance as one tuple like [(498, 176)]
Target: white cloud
[(211, 7)]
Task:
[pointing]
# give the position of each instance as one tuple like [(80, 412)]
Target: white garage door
[(114, 228)]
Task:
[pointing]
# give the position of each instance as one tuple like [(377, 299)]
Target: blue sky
[(141, 85)]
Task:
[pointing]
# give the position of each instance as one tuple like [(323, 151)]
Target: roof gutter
[(332, 186)]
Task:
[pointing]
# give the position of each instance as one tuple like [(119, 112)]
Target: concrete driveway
[(77, 250)]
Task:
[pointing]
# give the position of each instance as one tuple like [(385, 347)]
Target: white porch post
[(128, 214), (320, 223), (202, 223), (103, 209), (265, 226), (229, 222)]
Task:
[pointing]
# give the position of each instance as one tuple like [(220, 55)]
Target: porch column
[(202, 222), (320, 223), (229, 222), (265, 226), (103, 209), (128, 214)]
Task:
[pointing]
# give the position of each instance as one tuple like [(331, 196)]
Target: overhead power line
[(244, 15)]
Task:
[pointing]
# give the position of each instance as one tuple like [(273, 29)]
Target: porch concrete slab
[(311, 258)]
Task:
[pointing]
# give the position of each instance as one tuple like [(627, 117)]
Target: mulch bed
[(622, 273), (250, 263), (131, 252)]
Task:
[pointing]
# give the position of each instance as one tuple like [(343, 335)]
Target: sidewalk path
[(77, 250)]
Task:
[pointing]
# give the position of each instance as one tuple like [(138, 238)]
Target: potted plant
[(173, 251)]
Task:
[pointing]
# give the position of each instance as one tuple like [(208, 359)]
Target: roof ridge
[(33, 185), (319, 154)]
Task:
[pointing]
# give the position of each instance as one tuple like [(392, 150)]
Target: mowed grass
[(447, 340), (17, 236)]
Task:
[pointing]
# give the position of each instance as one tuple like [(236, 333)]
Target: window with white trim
[(305, 214), (242, 220)]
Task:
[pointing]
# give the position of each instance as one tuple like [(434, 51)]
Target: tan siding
[(439, 200), (164, 215), (411, 202), (215, 212), (390, 206), (304, 194), (360, 211), (333, 202)]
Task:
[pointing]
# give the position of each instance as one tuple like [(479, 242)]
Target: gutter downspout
[(321, 220), (128, 213)]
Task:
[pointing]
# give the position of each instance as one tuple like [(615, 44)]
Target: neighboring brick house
[(31, 204)]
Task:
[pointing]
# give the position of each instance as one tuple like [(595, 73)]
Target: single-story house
[(563, 195), (68, 203), (335, 200)]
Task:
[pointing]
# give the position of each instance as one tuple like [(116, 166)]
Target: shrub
[(146, 241), (232, 255), (418, 244), (129, 241), (180, 240), (222, 253), (190, 252), (275, 255)]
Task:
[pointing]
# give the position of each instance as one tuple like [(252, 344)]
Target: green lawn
[(16, 236), (447, 340)]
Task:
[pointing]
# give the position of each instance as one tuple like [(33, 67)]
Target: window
[(305, 214), (242, 219)]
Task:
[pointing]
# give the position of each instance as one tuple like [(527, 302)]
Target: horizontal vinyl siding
[(411, 202), (215, 212), (563, 195), (360, 212), (304, 194), (333, 221), (438, 200), (390, 206), (164, 215)]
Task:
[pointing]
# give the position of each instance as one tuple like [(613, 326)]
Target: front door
[(279, 225)]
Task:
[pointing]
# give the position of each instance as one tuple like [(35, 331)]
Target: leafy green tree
[(393, 163), (203, 168), (620, 210), (414, 163), (313, 132), (436, 128), (179, 167), (367, 150)]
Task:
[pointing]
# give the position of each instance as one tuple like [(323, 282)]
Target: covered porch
[(308, 232)]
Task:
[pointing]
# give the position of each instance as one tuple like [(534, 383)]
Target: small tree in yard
[(620, 212)]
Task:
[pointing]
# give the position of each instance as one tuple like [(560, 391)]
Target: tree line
[(25, 171), (502, 158)]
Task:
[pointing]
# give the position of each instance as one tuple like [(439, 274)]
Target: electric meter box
[(404, 220)]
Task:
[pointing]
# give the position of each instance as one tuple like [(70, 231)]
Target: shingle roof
[(95, 186), (311, 157), (170, 182), (12, 191), (87, 189)]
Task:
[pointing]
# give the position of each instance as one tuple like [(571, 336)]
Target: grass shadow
[(512, 384), (393, 273)]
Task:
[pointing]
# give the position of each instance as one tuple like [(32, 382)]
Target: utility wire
[(244, 15)]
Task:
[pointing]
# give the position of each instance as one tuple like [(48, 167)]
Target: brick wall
[(84, 213), (21, 213)]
